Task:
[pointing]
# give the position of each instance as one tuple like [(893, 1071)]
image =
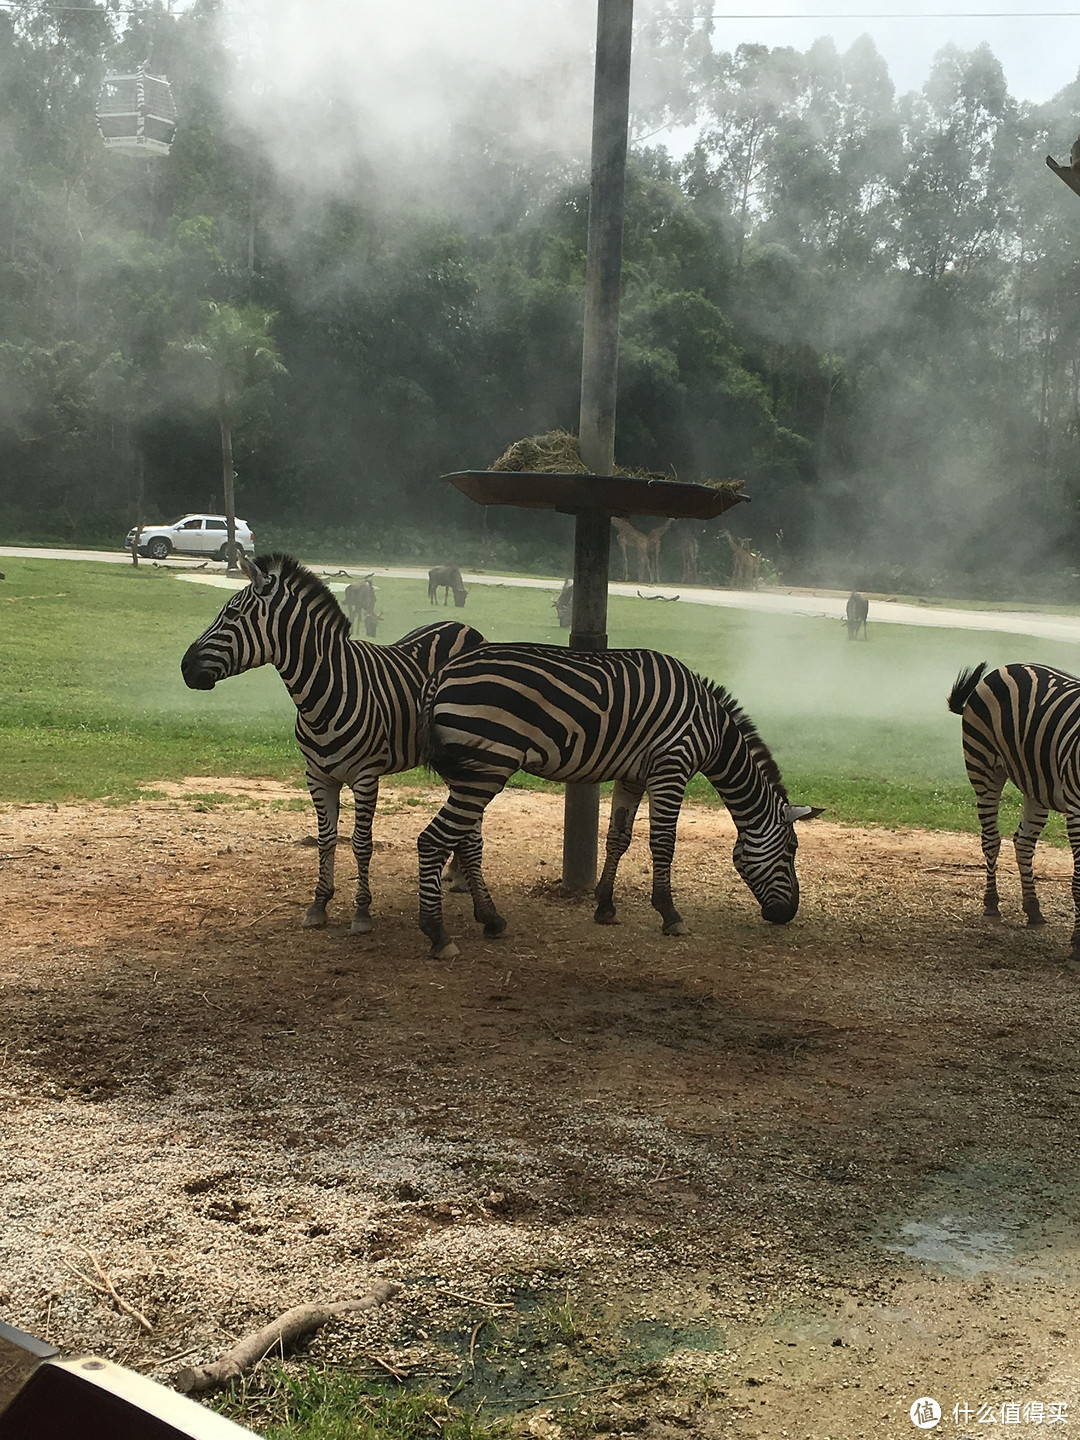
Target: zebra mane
[(320, 599), (763, 756)]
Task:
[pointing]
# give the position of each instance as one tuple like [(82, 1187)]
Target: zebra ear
[(260, 580), (801, 812)]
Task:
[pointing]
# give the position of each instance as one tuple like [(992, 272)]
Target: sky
[(1040, 54), (403, 70)]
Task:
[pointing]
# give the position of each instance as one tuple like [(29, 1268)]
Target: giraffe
[(647, 546), (746, 565), (689, 547)]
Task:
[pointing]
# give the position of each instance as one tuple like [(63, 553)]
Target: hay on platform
[(557, 453)]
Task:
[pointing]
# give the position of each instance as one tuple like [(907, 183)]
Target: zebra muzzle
[(780, 913), (196, 676)]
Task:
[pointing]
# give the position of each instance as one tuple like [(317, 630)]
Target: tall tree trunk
[(227, 478)]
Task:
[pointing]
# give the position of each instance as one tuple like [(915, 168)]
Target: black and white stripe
[(1022, 723), (356, 704), (636, 717)]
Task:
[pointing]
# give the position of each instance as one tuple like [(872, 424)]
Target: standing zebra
[(636, 717), (356, 704), (1022, 723)]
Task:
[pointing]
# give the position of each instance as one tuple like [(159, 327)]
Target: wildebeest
[(359, 600), (564, 604), (855, 613), (371, 623), (446, 578)]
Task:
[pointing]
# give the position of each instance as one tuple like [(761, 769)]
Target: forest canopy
[(863, 306)]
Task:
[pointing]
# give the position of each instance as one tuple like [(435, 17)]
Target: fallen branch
[(282, 1333), (668, 599), (104, 1286)]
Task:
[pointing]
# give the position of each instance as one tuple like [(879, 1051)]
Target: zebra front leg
[(665, 802), (625, 799), (325, 796), (1024, 841), (365, 795), (1072, 825)]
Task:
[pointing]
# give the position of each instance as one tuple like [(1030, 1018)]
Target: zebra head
[(765, 859), (265, 623)]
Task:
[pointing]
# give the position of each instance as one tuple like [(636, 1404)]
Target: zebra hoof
[(677, 927), (448, 952), (605, 917), (315, 919), (494, 928), (994, 916), (1033, 920), (361, 924)]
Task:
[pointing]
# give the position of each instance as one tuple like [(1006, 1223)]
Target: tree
[(230, 365)]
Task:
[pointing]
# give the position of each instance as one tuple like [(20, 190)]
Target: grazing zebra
[(1022, 723), (446, 578), (356, 704), (636, 717), (855, 613)]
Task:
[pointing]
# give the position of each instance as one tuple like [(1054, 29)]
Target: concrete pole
[(599, 376)]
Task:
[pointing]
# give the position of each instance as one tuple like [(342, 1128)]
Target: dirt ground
[(756, 1181)]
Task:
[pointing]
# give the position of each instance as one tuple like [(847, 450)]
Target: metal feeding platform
[(619, 495)]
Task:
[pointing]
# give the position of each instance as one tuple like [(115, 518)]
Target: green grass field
[(92, 705)]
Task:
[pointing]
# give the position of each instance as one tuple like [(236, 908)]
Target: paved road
[(776, 601)]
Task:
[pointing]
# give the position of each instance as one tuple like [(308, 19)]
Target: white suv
[(193, 535)]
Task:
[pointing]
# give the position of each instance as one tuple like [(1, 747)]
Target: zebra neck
[(319, 666), (738, 775)]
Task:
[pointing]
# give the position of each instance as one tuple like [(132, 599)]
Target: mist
[(876, 330)]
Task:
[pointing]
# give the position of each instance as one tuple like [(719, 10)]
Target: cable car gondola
[(136, 113)]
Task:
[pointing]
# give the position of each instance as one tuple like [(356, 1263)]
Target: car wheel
[(223, 554), (158, 548)]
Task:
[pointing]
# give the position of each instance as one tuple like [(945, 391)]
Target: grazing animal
[(636, 717), (359, 599), (645, 544), (1022, 723), (745, 564), (855, 613), (446, 578), (356, 704), (371, 623), (564, 604)]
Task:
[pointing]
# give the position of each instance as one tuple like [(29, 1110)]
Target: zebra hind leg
[(325, 797), (625, 799), (1024, 841), (459, 817), (470, 854), (987, 797)]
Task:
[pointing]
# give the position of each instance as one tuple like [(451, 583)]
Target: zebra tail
[(451, 762), (964, 688)]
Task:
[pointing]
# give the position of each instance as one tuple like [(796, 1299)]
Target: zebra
[(356, 704), (1022, 723), (637, 717), (446, 578), (855, 613)]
